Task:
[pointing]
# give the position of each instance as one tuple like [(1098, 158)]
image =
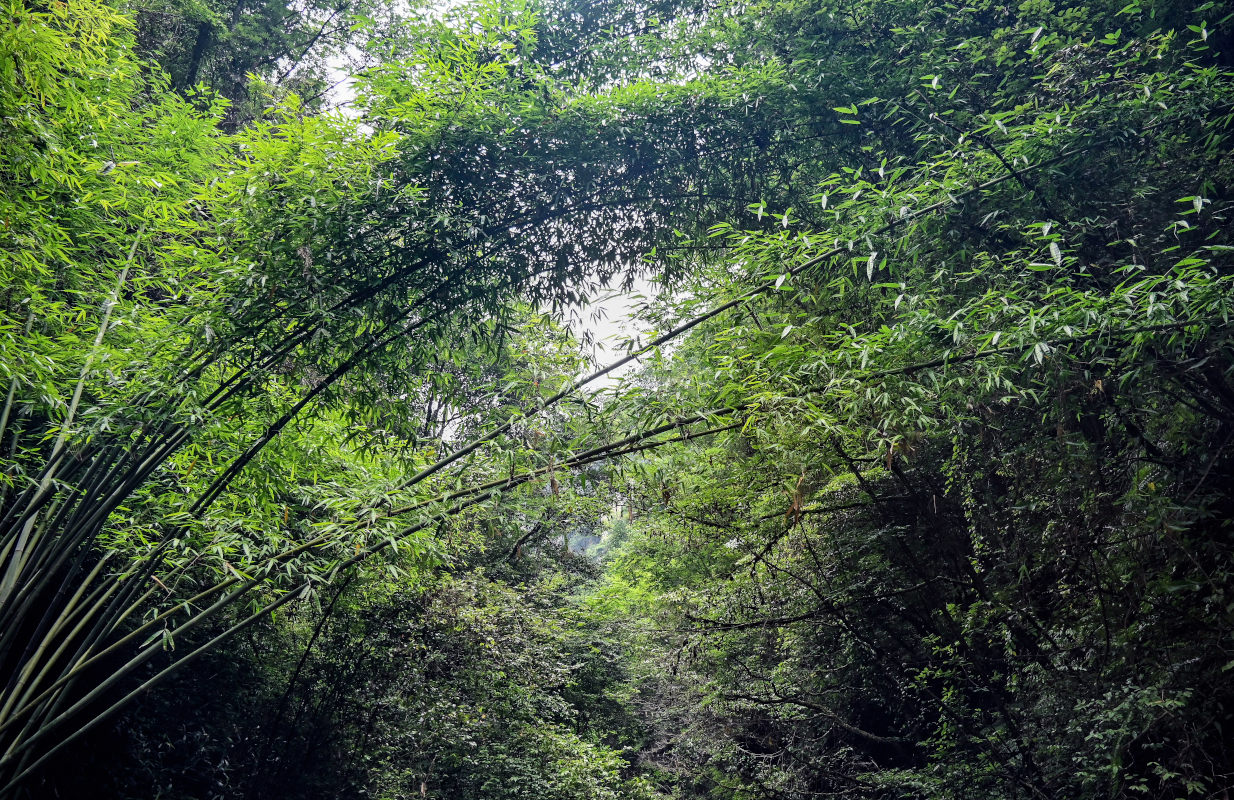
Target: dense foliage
[(919, 488)]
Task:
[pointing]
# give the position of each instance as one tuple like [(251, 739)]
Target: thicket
[(920, 486)]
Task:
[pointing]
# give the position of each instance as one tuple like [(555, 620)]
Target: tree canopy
[(914, 484)]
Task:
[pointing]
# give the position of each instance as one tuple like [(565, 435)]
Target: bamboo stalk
[(18, 557), (158, 678)]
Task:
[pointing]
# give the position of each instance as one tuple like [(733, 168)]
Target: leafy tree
[(972, 398), (944, 336)]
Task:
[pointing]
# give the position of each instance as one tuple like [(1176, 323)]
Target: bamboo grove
[(915, 483)]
